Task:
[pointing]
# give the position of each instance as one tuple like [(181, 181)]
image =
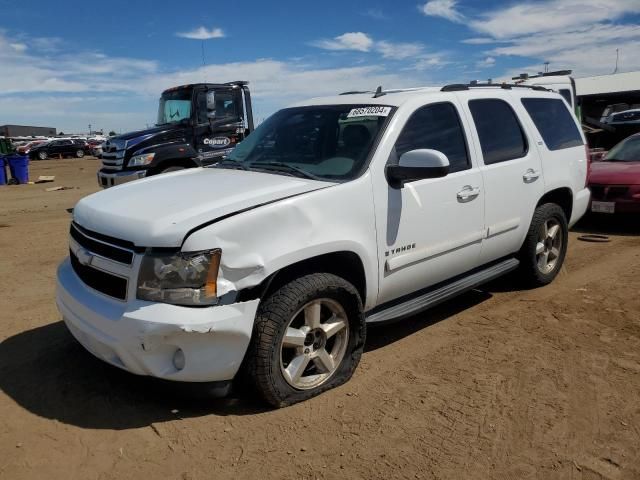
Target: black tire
[(174, 168), (42, 155), (262, 366), (79, 153), (530, 270)]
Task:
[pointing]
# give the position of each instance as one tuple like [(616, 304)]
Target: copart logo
[(217, 141)]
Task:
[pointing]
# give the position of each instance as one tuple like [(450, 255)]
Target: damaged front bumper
[(144, 337)]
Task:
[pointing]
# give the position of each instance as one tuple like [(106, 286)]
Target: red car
[(24, 149), (615, 181)]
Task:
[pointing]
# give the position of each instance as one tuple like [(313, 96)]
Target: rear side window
[(436, 127), (500, 133), (554, 122)]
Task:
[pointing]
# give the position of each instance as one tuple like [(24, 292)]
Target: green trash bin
[(5, 146)]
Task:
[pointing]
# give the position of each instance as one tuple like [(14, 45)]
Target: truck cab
[(197, 125)]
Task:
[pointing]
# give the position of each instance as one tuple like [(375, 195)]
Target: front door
[(433, 227), (217, 130)]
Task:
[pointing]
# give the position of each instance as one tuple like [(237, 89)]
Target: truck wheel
[(308, 337), (545, 245), (79, 154), (42, 155)]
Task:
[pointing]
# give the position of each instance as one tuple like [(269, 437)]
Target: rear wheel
[(79, 153), (545, 246), (308, 337), (42, 155)]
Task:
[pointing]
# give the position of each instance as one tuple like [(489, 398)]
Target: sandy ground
[(499, 383)]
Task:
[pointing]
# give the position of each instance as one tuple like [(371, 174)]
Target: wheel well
[(561, 197), (177, 162), (345, 264)]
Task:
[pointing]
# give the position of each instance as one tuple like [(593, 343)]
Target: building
[(26, 131)]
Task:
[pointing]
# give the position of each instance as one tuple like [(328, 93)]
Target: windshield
[(175, 106), (329, 142), (626, 151)]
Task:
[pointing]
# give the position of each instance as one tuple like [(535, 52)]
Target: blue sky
[(75, 63)]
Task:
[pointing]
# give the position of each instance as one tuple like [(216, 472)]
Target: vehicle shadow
[(603, 224), (45, 371)]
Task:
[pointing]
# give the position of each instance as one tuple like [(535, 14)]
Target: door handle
[(530, 175), (468, 193)]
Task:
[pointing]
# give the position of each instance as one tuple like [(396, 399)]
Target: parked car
[(95, 147), (615, 180), (334, 213), (626, 117), (26, 148), (55, 148)]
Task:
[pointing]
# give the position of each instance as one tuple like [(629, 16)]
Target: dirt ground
[(498, 383)]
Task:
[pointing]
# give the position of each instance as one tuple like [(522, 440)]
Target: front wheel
[(308, 337), (79, 153), (545, 245), (42, 155)]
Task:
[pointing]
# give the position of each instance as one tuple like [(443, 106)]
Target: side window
[(566, 93), (500, 133), (554, 121), (436, 127)]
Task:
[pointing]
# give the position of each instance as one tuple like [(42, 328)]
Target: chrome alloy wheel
[(549, 246), (314, 344)]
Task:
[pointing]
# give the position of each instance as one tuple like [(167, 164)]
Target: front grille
[(105, 250), (603, 192), (103, 282)]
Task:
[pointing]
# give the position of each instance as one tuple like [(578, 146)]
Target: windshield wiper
[(285, 168), (228, 163)]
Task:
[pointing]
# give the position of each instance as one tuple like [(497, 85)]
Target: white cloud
[(550, 15), (376, 13), (569, 34), (486, 62), (18, 47), (442, 8), (202, 33), (357, 41), (398, 51)]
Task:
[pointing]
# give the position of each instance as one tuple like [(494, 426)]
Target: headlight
[(182, 278), (140, 160)]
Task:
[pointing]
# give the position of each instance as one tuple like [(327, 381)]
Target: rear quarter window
[(554, 122)]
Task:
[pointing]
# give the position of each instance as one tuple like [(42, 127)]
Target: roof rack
[(457, 87), (525, 76)]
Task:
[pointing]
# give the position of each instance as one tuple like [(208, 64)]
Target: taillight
[(588, 155)]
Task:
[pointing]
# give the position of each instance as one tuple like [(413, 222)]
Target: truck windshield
[(174, 107), (329, 142)]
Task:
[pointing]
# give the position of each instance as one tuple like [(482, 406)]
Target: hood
[(149, 131), (159, 211), (615, 173)]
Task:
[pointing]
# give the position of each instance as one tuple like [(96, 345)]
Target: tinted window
[(566, 94), (436, 127), (554, 121), (501, 136)]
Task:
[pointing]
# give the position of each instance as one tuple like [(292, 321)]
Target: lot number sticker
[(369, 112)]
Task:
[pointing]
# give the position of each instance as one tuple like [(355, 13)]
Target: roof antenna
[(379, 92), (617, 56), (204, 70)]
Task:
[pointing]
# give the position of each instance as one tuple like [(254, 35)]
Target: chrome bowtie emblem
[(84, 256)]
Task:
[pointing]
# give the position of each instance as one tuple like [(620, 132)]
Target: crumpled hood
[(159, 211), (615, 173)]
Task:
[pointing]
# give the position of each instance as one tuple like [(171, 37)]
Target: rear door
[(511, 171)]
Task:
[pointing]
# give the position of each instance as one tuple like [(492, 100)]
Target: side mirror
[(211, 104), (417, 165)]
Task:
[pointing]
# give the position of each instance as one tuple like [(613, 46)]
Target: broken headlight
[(181, 279)]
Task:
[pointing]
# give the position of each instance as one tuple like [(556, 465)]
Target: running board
[(445, 292)]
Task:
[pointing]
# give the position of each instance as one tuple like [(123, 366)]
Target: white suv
[(334, 213)]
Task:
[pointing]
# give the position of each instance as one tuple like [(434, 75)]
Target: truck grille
[(113, 155), (106, 250), (103, 282)]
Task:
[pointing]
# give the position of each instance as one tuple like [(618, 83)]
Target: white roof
[(615, 82)]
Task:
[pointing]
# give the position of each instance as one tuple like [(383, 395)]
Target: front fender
[(261, 241)]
